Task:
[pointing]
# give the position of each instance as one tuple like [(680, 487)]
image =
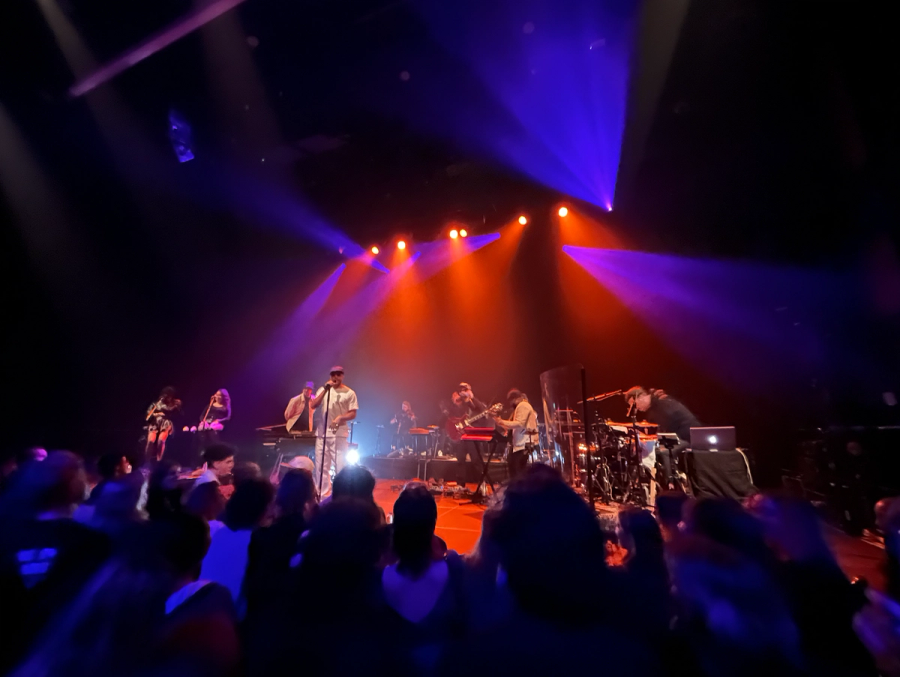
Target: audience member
[(724, 521), (647, 577), (355, 481), (119, 513), (669, 511), (552, 557), (272, 547), (425, 590), (164, 492), (732, 618), (248, 470), (47, 557), (226, 561), (335, 603), (822, 600), (219, 462), (207, 501), (200, 617)]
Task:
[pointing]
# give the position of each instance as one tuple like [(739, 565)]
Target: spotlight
[(375, 250), (351, 457), (464, 233), (563, 211), (523, 220), (401, 244), (454, 234)]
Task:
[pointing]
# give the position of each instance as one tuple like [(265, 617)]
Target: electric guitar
[(456, 425)]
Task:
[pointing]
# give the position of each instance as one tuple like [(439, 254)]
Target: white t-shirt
[(343, 400), (208, 475)]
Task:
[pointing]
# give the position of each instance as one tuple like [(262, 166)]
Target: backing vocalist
[(160, 422)]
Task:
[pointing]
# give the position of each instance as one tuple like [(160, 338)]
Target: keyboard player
[(299, 415)]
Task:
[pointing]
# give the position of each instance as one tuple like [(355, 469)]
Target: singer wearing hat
[(338, 405), (299, 415)]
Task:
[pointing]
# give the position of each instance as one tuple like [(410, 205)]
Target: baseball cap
[(337, 368)]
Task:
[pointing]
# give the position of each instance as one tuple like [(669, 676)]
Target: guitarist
[(299, 415), (464, 404), (524, 430)]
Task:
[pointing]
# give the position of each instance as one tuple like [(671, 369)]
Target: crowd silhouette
[(146, 574)]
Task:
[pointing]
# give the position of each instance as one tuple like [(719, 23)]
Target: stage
[(459, 524)]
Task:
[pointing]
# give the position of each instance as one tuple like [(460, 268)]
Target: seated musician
[(670, 415), (524, 430), (299, 415), (402, 422), (218, 412)]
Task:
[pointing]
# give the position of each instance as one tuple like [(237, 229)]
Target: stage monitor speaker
[(719, 473)]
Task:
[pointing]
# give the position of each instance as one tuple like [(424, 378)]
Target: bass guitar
[(457, 424)]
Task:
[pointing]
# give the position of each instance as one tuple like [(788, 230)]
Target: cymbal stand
[(601, 477)]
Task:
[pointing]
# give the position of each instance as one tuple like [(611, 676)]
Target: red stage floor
[(459, 525)]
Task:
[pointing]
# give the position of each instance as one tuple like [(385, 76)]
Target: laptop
[(713, 439)]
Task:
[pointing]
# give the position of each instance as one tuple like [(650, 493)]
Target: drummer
[(671, 416)]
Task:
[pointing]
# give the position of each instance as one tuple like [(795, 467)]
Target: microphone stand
[(206, 413), (636, 459), (325, 439)]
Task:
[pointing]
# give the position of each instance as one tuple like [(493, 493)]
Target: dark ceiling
[(768, 131)]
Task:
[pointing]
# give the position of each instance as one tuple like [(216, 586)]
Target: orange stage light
[(523, 220), (375, 250), (563, 211), (463, 233), (454, 234), (401, 244)]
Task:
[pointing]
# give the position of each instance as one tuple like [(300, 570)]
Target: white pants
[(334, 452)]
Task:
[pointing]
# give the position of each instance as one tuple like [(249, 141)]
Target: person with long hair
[(402, 422), (217, 413), (160, 422)]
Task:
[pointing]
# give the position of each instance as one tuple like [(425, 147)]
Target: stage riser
[(448, 470)]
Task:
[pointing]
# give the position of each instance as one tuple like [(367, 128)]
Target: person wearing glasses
[(339, 405)]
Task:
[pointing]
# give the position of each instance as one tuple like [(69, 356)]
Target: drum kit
[(621, 456)]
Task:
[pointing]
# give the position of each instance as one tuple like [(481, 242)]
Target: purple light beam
[(152, 45)]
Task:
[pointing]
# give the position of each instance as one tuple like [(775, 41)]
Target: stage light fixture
[(523, 220), (351, 457), (563, 211), (454, 234), (401, 244), (180, 136), (464, 233), (375, 250)]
